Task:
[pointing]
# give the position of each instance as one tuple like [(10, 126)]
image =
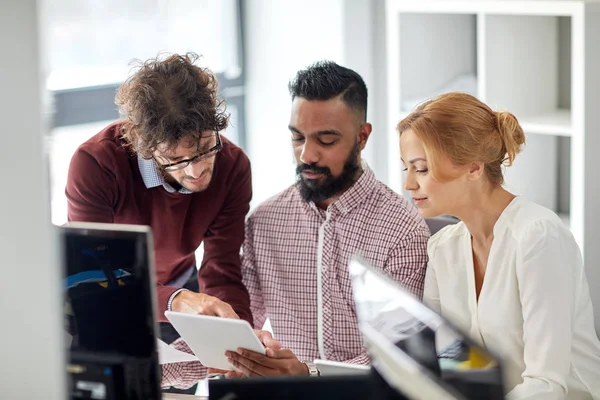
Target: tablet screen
[(210, 337)]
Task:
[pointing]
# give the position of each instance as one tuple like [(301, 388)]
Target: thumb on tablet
[(267, 339)]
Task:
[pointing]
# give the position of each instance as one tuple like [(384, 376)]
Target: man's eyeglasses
[(198, 157)]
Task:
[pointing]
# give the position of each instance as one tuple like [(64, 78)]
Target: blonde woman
[(510, 273)]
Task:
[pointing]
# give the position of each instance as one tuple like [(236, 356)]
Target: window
[(89, 45), (90, 42)]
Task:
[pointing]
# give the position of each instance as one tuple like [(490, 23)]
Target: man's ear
[(363, 135), (476, 170)]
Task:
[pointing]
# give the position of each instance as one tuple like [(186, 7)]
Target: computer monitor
[(423, 340), (409, 378), (109, 310)]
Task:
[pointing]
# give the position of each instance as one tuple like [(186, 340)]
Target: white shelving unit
[(539, 60)]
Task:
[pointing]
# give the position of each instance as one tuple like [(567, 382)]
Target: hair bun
[(512, 135)]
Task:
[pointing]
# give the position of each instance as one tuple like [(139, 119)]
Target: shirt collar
[(354, 195), (152, 176)]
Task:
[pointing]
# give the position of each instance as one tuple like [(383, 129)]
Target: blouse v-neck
[(474, 301)]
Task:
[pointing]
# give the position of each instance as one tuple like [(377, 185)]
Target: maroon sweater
[(105, 185)]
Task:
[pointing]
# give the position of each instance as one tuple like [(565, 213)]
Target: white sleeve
[(431, 292), (547, 260)]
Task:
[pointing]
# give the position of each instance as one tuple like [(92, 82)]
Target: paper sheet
[(168, 354)]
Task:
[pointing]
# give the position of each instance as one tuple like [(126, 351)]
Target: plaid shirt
[(185, 374), (295, 266), (296, 256)]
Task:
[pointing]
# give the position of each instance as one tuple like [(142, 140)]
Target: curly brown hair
[(166, 100)]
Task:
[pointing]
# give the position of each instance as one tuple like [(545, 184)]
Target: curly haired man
[(165, 164)]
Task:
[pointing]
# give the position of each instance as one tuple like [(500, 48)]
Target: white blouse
[(534, 307)]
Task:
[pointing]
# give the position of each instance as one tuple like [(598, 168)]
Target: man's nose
[(309, 154), (194, 170)]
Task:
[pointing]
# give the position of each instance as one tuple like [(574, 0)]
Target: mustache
[(313, 168)]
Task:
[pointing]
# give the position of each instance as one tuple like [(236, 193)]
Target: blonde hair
[(464, 129)]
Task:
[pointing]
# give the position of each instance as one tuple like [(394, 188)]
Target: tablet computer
[(335, 368), (210, 337)]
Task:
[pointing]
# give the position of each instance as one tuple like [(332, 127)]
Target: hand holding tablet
[(210, 337)]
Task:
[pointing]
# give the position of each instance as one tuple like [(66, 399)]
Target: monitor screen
[(447, 354), (109, 302), (401, 372)]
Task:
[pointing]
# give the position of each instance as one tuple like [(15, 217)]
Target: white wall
[(31, 365), (364, 52), (359, 51), (283, 37)]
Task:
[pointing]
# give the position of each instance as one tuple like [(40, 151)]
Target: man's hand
[(275, 362), (267, 340), (189, 302)]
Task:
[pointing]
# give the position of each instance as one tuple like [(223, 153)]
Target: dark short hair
[(325, 80), (168, 99)]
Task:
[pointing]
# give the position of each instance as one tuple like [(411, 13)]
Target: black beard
[(311, 190)]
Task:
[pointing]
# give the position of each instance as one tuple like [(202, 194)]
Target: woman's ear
[(476, 170)]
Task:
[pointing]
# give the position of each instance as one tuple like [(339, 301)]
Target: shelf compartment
[(438, 53), (535, 171), (524, 69)]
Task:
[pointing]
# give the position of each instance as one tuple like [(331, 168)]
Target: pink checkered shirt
[(295, 266), (296, 256), (185, 374)]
